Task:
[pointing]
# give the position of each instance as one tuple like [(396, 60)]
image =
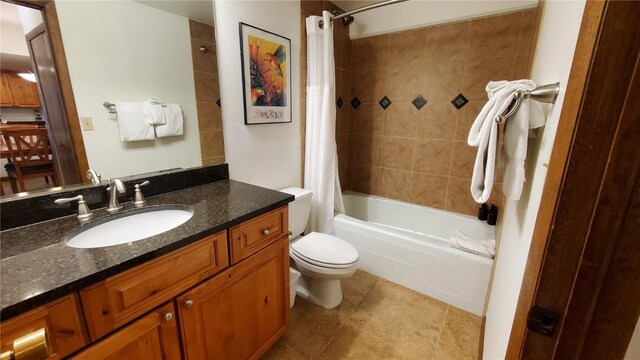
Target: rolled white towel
[(174, 124), (482, 247), (155, 112)]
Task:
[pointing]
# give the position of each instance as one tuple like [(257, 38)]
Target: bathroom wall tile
[(494, 36), (369, 84), (347, 53), (394, 184), (365, 150), (207, 62), (338, 46), (372, 52), (441, 81), (432, 156), (202, 31), (207, 88), (209, 116), (342, 143), (466, 116), (303, 78), (522, 67), (397, 153), (464, 157), (478, 72), (460, 338), (313, 327), (399, 306), (367, 119), (363, 178), (401, 120), (407, 48), (403, 84), (446, 42), (357, 286), (343, 175), (428, 190), (312, 7), (437, 121), (212, 144), (213, 160), (368, 336), (303, 33), (525, 40), (459, 197)]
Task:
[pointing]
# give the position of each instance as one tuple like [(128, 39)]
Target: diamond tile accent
[(459, 101), (218, 102), (339, 103), (355, 102), (385, 102), (419, 102)]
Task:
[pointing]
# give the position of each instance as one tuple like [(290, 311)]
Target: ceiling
[(198, 10)]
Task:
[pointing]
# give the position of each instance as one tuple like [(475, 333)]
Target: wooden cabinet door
[(154, 336), (241, 312), (6, 98), (25, 93)]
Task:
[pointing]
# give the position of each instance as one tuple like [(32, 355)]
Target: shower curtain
[(321, 160)]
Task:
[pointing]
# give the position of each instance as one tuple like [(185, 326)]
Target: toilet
[(321, 258)]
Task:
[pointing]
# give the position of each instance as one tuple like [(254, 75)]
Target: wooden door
[(155, 336), (240, 313), (6, 97), (25, 93)]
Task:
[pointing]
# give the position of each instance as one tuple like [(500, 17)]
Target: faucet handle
[(84, 213), (138, 200)]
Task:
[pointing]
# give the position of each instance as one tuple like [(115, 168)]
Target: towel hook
[(545, 93)]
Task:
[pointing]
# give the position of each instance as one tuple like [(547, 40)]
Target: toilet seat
[(325, 251)]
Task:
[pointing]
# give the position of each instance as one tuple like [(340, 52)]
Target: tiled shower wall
[(342, 54), (205, 75), (403, 149)]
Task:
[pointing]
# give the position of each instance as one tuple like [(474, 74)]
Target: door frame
[(582, 264), (52, 26)]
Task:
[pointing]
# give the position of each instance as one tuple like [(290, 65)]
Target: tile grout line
[(444, 320)]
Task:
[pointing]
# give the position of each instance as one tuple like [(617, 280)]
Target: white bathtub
[(407, 244)]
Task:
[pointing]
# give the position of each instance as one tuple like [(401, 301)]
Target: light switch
[(87, 123)]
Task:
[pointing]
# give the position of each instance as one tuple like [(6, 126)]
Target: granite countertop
[(37, 267)]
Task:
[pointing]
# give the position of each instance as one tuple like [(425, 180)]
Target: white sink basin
[(128, 226)]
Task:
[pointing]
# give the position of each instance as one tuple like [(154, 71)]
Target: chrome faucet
[(94, 176), (115, 186)]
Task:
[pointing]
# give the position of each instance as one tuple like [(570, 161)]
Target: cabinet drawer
[(61, 320), (251, 236), (117, 300)]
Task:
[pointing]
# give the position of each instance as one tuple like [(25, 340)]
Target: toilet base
[(326, 293)]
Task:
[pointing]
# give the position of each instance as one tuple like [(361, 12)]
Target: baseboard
[(481, 344)]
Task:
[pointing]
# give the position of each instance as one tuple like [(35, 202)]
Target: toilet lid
[(325, 249)]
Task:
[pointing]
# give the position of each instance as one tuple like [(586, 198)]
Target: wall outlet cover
[(87, 123)]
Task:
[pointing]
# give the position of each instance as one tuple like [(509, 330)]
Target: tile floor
[(378, 320)]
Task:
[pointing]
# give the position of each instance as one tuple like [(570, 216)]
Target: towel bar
[(110, 106), (545, 93)]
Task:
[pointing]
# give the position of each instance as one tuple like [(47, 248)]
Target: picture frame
[(266, 76)]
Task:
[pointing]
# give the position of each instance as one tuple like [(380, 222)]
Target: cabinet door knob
[(188, 304), (266, 232), (167, 317)]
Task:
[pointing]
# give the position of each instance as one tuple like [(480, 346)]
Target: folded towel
[(155, 112), (461, 241), (484, 134), (133, 122), (174, 121)]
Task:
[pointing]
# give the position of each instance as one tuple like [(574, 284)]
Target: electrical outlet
[(87, 123)]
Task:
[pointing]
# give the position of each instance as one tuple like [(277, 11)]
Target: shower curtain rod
[(364, 8)]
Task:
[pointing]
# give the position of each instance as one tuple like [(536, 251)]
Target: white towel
[(133, 122), (155, 112), (482, 247), (484, 135), (174, 124)]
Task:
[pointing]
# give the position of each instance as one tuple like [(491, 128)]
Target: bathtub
[(408, 244)]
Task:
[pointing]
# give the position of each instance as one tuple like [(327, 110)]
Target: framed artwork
[(266, 76)]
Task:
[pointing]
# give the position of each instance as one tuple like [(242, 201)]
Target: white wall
[(556, 44), (12, 39), (265, 155), (30, 18), (126, 51), (419, 13), (633, 351)]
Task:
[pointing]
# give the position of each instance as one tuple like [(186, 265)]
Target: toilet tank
[(299, 209)]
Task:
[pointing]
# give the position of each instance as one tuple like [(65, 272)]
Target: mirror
[(123, 51)]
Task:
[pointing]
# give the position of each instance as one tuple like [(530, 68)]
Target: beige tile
[(356, 287), (342, 143), (406, 50), (460, 338), (466, 116), (407, 46), (372, 52), (368, 84), (401, 120), (525, 45), (441, 81), (478, 72), (446, 42), (365, 150), (428, 190), (313, 327), (213, 160), (367, 119), (343, 175), (313, 7), (347, 52), (209, 116), (394, 184), (207, 88), (206, 62), (397, 153), (432, 156), (368, 336), (211, 144), (459, 197), (202, 31), (363, 178), (399, 305), (494, 36), (403, 84), (281, 351), (521, 67), (437, 121), (464, 158)]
